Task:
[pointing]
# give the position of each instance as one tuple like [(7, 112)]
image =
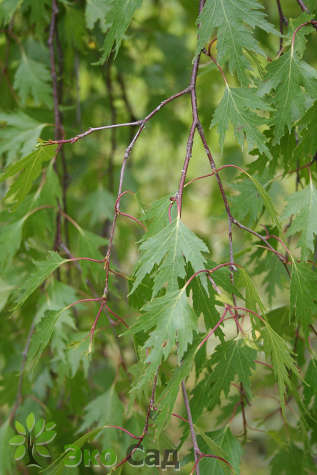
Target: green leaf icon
[(39, 427), (17, 440), (20, 428), (30, 422), (46, 437), (43, 451), (20, 452), (50, 425)]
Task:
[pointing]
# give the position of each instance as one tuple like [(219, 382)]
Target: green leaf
[(168, 396), (302, 206), (169, 248), (172, 321), (5, 454), (276, 348), (42, 271), (232, 452), (310, 388), (5, 290), (42, 336), (239, 107), (98, 206), (19, 134), (97, 11), (20, 428), (291, 460), (308, 129), (233, 23), (293, 81), (20, 452), (29, 168), (10, 242), (30, 422), (39, 427), (33, 79), (231, 359), (120, 16), (252, 297), (267, 200), (302, 293), (42, 451), (105, 409), (246, 207), (7, 10), (46, 437), (17, 440), (77, 353), (204, 303)]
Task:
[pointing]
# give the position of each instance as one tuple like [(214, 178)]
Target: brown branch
[(197, 451), (283, 21), (91, 130), (113, 113), (302, 5)]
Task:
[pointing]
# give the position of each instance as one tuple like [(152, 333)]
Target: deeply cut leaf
[(233, 21)]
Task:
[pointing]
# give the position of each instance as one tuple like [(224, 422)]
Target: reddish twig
[(117, 316), (283, 21), (93, 328), (91, 130), (191, 427), (214, 328)]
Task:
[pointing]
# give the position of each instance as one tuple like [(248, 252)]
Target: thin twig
[(283, 21), (191, 427)]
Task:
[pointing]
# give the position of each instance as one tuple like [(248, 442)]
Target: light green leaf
[(42, 451), (105, 409), (302, 205), (232, 22), (308, 129), (46, 437), (231, 451), (120, 16), (20, 452), (17, 440), (33, 79), (302, 293), (30, 421), (169, 249), (41, 337), (98, 206), (172, 321), (252, 297), (168, 396), (77, 353), (5, 453), (97, 11), (19, 134), (10, 241), (230, 359), (20, 428), (5, 290), (293, 81), (239, 107), (276, 348), (43, 270), (7, 10), (29, 168)]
